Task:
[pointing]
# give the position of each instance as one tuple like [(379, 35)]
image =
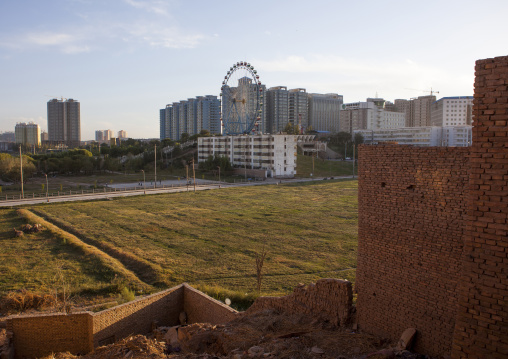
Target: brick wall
[(482, 323), (328, 299), (136, 317), (41, 335), (201, 308), (410, 241)]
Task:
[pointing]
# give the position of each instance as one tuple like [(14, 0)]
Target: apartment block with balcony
[(276, 154)]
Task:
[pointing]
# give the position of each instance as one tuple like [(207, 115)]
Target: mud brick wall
[(328, 299), (411, 230), (41, 335), (201, 308), (482, 322), (136, 317)]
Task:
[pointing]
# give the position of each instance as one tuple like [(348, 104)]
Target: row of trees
[(10, 167)]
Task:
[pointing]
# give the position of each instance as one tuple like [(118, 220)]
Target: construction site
[(431, 282)]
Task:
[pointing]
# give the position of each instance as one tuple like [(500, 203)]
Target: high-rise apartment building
[(417, 110), (277, 109), (299, 108), (324, 112), (28, 134), (122, 134), (64, 123), (44, 136), (103, 136), (452, 111), (190, 116)]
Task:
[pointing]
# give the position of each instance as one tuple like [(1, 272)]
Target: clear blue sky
[(126, 59)]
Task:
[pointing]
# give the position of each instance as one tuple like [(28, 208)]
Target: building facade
[(103, 136), (277, 109), (324, 112), (274, 153), (452, 111), (428, 136), (28, 134), (64, 122), (417, 110), (374, 114), (190, 116), (122, 134), (298, 109)]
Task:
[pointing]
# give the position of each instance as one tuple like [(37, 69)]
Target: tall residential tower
[(64, 122)]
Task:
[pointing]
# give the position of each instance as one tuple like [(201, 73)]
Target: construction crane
[(61, 97), (431, 91)]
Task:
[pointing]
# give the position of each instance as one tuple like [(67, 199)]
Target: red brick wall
[(482, 323), (41, 335), (136, 317), (410, 240), (201, 308), (328, 299)]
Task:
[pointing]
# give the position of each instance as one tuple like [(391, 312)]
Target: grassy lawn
[(323, 168), (38, 261), (212, 237)]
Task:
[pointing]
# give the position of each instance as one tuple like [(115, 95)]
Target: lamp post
[(219, 172), (21, 171), (144, 182), (47, 187)]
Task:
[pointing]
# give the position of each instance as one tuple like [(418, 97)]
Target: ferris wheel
[(242, 100)]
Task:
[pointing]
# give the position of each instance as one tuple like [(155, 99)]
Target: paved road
[(133, 189)]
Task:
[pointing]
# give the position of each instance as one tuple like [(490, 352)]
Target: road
[(133, 189)]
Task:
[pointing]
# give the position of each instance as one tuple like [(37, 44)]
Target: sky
[(123, 60)]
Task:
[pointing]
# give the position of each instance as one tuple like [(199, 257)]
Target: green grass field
[(207, 239)]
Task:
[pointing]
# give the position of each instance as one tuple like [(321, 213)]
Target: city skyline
[(124, 60)]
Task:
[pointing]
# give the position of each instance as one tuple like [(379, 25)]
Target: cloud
[(391, 77), (93, 30)]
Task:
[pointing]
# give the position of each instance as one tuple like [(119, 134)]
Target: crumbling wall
[(411, 223), (136, 317), (40, 335), (201, 308), (328, 299), (482, 324)]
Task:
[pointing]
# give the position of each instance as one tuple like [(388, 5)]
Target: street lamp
[(144, 182), (219, 172), (47, 187)]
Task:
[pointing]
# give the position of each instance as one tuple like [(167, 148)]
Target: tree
[(184, 137), (291, 130)]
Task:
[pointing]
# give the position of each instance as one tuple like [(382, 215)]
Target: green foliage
[(290, 129), (212, 162), (126, 295)]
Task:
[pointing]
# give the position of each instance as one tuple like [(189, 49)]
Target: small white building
[(276, 154), (447, 136)]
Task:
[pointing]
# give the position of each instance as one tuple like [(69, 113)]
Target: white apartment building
[(452, 111), (122, 134), (371, 115), (435, 136), (274, 153)]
